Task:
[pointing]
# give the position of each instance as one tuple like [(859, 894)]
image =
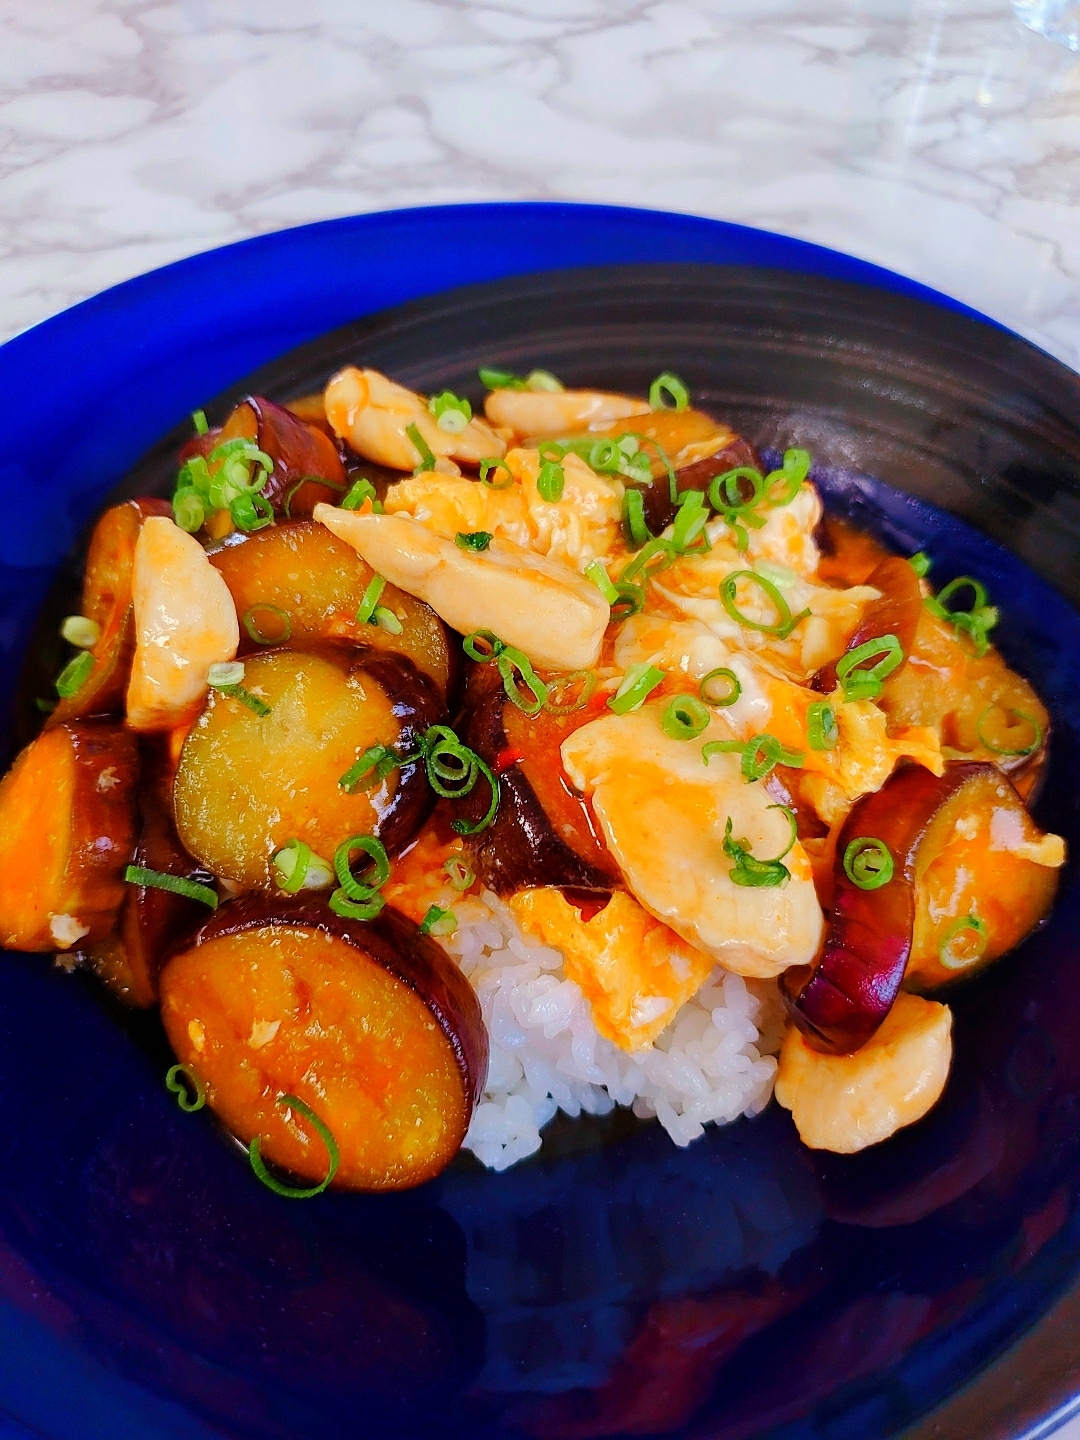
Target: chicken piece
[(634, 972), (580, 527), (372, 414), (844, 1103), (564, 412), (663, 813), (557, 617), (185, 621)]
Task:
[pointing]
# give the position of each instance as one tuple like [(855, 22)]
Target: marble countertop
[(936, 137)]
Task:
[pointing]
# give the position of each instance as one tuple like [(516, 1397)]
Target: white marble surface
[(937, 137)]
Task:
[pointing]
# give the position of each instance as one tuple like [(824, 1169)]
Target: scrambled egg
[(634, 972)]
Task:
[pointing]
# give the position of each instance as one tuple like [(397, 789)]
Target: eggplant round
[(247, 783), (370, 1023)]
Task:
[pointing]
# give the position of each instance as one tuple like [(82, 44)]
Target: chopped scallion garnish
[(74, 675), (599, 576), (995, 748), (637, 685), (459, 875), (865, 682), (868, 863), (80, 631), (552, 476), (175, 884), (372, 767), (500, 379), (256, 631), (720, 687), (438, 921), (947, 953), (473, 539), (298, 869), (423, 450), (494, 463), (822, 732), (784, 623), (637, 532), (199, 421), (181, 1081), (629, 600), (571, 692), (387, 620), (293, 1192), (920, 562), (224, 674), (360, 491), (451, 412), (789, 478), (750, 872), (368, 604), (977, 621), (667, 392), (684, 718)]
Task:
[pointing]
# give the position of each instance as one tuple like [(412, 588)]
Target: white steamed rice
[(714, 1062)]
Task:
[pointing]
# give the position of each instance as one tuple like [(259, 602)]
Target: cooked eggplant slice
[(543, 832), (67, 831), (248, 782), (151, 919), (295, 583), (369, 1023)]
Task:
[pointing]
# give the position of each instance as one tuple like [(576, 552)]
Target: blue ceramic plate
[(743, 1288)]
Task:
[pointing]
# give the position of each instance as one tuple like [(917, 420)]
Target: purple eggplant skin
[(520, 847), (394, 942), (660, 508)]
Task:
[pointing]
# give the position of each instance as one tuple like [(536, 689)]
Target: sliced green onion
[(81, 631), (552, 478), (500, 379), (667, 392), (427, 459), (437, 920), (731, 687), (763, 753), (482, 646), (629, 600), (663, 551), (690, 521), (473, 539), (294, 490), (189, 512), (571, 692), (784, 623), (530, 693), (865, 682), (452, 771), (599, 576), (293, 1192), (253, 703), (726, 495), (374, 878), (175, 884), (224, 674), (459, 875), (637, 685), (255, 630), (387, 620), (1036, 731), (637, 532), (368, 909), (371, 597), (74, 675), (977, 621), (920, 562), (360, 491), (176, 1085), (373, 766), (684, 718), (948, 956), (451, 413), (543, 382), (493, 463), (721, 747), (46, 707), (822, 732), (794, 470), (198, 419), (787, 810), (868, 863), (291, 863), (747, 870)]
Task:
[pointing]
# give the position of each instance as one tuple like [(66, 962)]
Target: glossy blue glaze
[(150, 1288)]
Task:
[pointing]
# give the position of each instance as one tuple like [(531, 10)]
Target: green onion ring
[(174, 1084), (723, 498), (294, 880), (763, 753), (493, 463), (74, 675), (637, 685), (256, 632), (564, 685), (721, 747), (361, 890), (822, 732), (945, 954), (630, 600), (530, 694), (669, 385), (348, 909), (1037, 731), (293, 1192), (459, 875), (684, 718), (423, 450), (794, 831), (599, 576), (473, 641), (733, 682), (784, 623), (866, 683), (868, 862), (637, 532), (372, 594)]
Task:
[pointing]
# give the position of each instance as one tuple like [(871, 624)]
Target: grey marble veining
[(937, 137)]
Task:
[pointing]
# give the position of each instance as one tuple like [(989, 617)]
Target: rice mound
[(714, 1062)]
